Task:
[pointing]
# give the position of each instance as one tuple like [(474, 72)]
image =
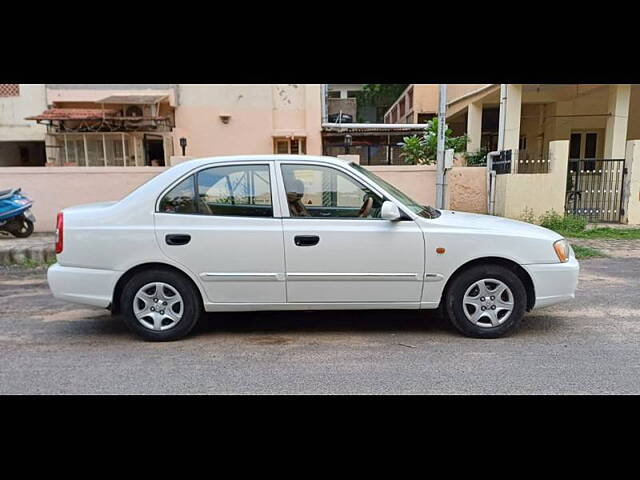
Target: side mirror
[(390, 211)]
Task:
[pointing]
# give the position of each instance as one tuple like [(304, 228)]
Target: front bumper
[(554, 282), (86, 286)]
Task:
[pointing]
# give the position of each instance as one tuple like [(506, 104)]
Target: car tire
[(475, 312), (160, 305)]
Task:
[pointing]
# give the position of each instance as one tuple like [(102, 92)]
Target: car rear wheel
[(160, 305), (486, 301)]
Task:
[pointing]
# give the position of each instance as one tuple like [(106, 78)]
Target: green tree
[(380, 95), (422, 150)]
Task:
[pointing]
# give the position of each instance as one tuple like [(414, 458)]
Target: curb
[(40, 254)]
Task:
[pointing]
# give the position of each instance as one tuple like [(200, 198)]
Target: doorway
[(594, 184), (22, 154), (154, 150), (584, 146)]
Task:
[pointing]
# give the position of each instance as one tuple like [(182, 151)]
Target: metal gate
[(594, 189)]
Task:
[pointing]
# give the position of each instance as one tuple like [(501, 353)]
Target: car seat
[(295, 192)]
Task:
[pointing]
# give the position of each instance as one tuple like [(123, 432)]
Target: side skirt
[(255, 307)]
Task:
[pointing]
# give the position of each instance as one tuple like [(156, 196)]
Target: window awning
[(289, 134), (74, 114), (137, 99), (68, 120)]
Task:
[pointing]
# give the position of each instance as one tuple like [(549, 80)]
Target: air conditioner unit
[(138, 111), (133, 111)]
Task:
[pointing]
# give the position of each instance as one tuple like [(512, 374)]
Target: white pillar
[(540, 134), (66, 149), (511, 130), (124, 151), (556, 179), (86, 151), (631, 187), (135, 148), (104, 149), (616, 133), (474, 126)]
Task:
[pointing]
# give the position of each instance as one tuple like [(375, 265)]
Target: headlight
[(562, 250)]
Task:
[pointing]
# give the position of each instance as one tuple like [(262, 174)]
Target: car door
[(335, 255), (222, 223)]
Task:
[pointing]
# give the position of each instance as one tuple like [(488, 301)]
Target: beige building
[(22, 142), (419, 102), (108, 125), (343, 90), (570, 145), (596, 119), (234, 119), (143, 125), (124, 125)]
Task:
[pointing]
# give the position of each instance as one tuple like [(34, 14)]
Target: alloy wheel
[(158, 306), (488, 303)]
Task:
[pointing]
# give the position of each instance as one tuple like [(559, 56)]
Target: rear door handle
[(177, 239), (306, 240)]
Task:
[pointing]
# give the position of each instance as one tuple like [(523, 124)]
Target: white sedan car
[(293, 232)]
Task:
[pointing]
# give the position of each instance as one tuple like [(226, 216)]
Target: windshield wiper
[(430, 212)]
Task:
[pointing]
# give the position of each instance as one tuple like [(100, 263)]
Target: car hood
[(491, 223)]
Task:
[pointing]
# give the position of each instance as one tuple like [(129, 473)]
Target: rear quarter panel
[(119, 236)]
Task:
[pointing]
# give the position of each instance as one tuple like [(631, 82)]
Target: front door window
[(324, 192)]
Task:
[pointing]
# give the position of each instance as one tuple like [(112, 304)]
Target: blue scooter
[(15, 213)]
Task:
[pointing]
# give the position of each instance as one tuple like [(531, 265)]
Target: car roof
[(244, 158), (164, 180)]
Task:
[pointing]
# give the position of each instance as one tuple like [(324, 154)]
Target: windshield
[(422, 210)]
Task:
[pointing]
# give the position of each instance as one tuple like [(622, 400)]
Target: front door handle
[(306, 240), (178, 239)]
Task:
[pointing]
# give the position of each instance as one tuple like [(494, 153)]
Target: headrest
[(294, 185)]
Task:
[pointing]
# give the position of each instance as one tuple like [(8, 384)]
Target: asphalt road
[(587, 346)]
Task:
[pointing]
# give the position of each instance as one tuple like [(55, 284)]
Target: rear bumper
[(86, 286), (554, 282)]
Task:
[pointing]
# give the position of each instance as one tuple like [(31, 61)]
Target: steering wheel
[(365, 210)]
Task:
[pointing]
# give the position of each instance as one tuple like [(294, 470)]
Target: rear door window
[(236, 190), (180, 198)]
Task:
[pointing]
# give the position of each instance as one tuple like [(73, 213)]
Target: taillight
[(59, 233)]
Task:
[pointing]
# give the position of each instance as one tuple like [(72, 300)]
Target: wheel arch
[(124, 278), (510, 264)]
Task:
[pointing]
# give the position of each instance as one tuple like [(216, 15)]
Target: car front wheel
[(486, 301), (160, 305)]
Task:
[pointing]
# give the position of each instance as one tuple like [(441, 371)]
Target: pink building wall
[(267, 111), (55, 188)]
